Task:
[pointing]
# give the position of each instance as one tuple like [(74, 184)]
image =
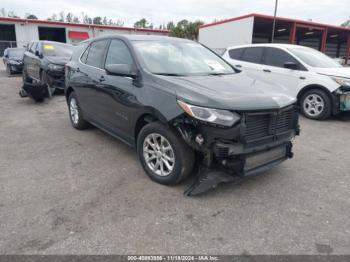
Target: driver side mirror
[(37, 53), (121, 70), (291, 65)]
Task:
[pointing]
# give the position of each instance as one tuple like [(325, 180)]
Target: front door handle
[(267, 70), (238, 66), (102, 78)]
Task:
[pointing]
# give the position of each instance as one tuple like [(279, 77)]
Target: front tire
[(75, 114), (165, 157), (316, 104)]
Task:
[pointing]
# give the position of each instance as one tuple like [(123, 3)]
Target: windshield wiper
[(219, 74), (169, 74)]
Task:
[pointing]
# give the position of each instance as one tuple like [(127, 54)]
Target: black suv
[(13, 60), (43, 68), (182, 106)]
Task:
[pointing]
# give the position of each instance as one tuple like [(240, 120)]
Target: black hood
[(58, 60), (232, 92)]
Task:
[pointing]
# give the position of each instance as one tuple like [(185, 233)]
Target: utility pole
[(274, 22)]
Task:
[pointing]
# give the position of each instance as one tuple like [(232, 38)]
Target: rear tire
[(75, 113), (164, 155), (316, 104)]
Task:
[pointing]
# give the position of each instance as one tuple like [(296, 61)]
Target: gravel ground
[(64, 191)]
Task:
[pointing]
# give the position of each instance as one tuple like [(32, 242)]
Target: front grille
[(268, 125)]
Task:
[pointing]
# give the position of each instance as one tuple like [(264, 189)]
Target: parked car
[(43, 71), (320, 84), (13, 60), (341, 61), (181, 106)]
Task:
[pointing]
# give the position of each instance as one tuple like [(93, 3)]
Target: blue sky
[(159, 12)]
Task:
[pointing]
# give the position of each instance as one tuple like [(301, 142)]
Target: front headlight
[(341, 81), (210, 115), (54, 67)]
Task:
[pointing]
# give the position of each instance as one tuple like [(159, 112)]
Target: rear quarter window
[(236, 53)]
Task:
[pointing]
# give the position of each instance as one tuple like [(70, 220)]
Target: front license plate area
[(257, 160)]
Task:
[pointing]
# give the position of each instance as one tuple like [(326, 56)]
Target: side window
[(277, 57), (118, 53), (96, 53), (85, 55), (236, 53), (253, 54)]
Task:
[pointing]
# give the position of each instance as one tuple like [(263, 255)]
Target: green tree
[(62, 16), (346, 23), (12, 14), (105, 21), (69, 17), (97, 20), (76, 19), (142, 23), (31, 16), (170, 25), (185, 29)]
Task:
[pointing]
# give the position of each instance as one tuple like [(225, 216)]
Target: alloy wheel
[(158, 154), (313, 105), (73, 109)]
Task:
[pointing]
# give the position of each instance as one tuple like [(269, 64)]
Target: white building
[(257, 28), (16, 32)]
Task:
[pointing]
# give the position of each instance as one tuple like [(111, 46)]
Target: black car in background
[(13, 60), (182, 106), (43, 68)]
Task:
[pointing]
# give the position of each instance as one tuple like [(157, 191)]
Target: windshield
[(180, 58), (314, 58), (16, 53), (54, 49)]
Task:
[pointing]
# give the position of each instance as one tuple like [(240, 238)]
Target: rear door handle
[(102, 78), (78, 69), (238, 66), (267, 70)]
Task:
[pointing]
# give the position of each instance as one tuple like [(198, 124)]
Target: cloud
[(160, 12)]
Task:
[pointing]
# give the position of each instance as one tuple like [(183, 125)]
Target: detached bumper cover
[(35, 91), (247, 165), (16, 68), (56, 79)]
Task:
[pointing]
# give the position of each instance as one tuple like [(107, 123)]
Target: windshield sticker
[(49, 47), (215, 65)]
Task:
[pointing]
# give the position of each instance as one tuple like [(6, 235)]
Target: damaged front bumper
[(242, 166), (341, 100), (259, 142), (55, 79)]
